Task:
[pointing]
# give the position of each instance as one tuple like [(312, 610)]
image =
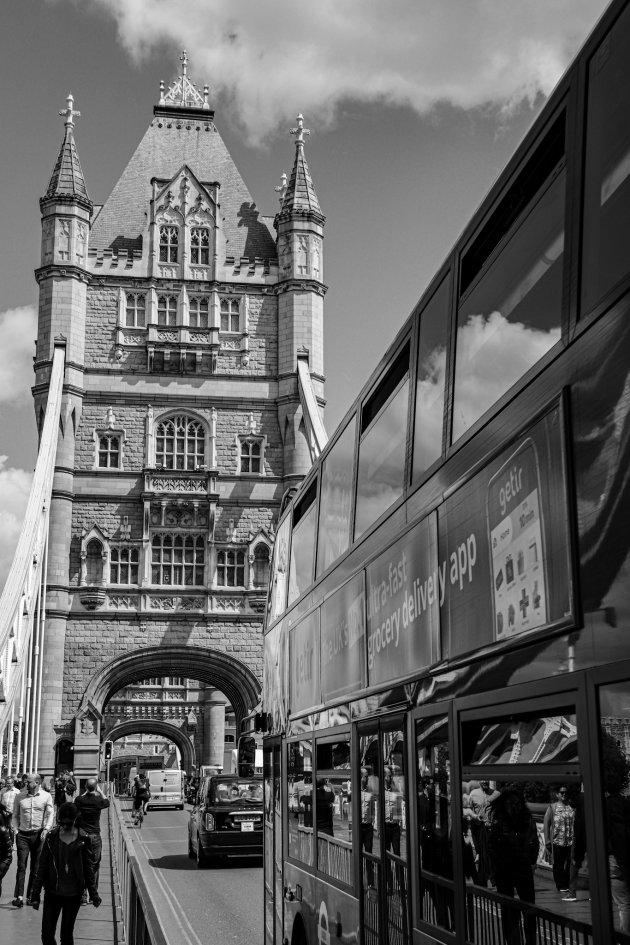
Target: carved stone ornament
[(88, 725), (168, 272), (121, 602), (170, 336), (230, 344), (199, 337), (178, 484), (200, 272), (92, 597), (129, 339)]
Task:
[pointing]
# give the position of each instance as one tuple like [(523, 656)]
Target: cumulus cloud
[(18, 331), (15, 485), (279, 57), (492, 353)]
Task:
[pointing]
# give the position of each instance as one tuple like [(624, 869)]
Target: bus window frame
[(580, 689), (434, 710), (409, 338)]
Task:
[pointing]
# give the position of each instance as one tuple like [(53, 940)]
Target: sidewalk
[(93, 925)]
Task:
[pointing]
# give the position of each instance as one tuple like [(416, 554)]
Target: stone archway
[(156, 727), (213, 667)]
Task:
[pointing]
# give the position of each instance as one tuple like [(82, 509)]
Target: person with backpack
[(141, 795)]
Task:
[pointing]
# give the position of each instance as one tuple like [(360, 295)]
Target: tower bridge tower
[(193, 401)]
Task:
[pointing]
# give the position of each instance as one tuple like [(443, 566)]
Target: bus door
[(273, 872), (382, 812)]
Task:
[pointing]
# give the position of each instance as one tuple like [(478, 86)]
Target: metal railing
[(139, 918)]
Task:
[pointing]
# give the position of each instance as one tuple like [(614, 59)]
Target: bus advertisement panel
[(403, 594), (343, 640), (504, 541)]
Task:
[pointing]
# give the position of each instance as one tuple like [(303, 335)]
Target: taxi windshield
[(241, 790)]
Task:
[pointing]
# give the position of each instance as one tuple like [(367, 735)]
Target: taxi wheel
[(191, 852), (201, 860)]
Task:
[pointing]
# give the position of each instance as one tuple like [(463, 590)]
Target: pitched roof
[(67, 178), (176, 137), (300, 194)]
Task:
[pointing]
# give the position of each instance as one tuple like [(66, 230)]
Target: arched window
[(231, 568), (229, 315), (251, 455), (198, 312), (109, 451), (169, 240), (179, 443), (167, 310), (261, 566), (177, 560), (135, 310), (200, 246), (94, 562)]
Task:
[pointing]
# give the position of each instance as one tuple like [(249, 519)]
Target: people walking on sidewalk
[(6, 845), (33, 817), (64, 871), (90, 804)]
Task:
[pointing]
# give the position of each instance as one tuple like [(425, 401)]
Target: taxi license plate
[(247, 825)]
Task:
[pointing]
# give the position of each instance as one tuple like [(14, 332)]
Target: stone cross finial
[(300, 131), (282, 188), (69, 112)]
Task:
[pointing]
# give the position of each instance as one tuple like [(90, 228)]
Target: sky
[(414, 107)]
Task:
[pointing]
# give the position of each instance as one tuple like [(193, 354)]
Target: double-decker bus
[(447, 642)]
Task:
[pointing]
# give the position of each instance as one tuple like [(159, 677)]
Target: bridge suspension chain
[(23, 601)]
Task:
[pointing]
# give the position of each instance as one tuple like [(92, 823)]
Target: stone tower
[(192, 404)]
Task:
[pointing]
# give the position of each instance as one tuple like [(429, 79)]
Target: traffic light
[(109, 747)]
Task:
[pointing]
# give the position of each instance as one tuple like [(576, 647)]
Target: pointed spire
[(67, 179), (300, 194)]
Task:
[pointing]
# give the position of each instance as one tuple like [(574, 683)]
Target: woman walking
[(64, 871)]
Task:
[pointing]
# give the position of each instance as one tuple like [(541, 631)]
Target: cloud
[(492, 354), (18, 332), (277, 58), (15, 485)]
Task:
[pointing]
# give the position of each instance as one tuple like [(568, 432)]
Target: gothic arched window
[(261, 566), (167, 310), (179, 443), (169, 242), (250, 455), (198, 312), (94, 562), (229, 315), (231, 568), (177, 560), (200, 246)]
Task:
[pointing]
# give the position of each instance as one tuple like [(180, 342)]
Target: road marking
[(170, 897)]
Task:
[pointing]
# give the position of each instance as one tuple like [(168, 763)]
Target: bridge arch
[(213, 667), (156, 727)]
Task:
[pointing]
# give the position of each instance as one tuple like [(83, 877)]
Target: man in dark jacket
[(90, 804)]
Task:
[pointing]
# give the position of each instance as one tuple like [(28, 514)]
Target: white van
[(166, 786)]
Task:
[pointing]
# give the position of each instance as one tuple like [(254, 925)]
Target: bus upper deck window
[(303, 544), (381, 472), (607, 167), (511, 278)]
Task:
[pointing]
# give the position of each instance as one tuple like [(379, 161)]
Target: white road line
[(170, 897)]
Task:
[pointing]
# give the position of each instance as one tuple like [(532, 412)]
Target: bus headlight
[(209, 822)]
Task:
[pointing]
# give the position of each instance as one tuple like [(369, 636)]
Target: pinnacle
[(300, 193)]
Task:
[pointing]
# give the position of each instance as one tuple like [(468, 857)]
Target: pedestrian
[(90, 804), (33, 817), (70, 787), (558, 828), (60, 794), (65, 870), (7, 800), (6, 845), (513, 842)]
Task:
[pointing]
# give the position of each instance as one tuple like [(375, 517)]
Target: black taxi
[(227, 819)]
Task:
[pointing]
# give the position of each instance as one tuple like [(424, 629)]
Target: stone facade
[(182, 425)]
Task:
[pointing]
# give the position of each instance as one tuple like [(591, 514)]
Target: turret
[(66, 211), (301, 290)]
